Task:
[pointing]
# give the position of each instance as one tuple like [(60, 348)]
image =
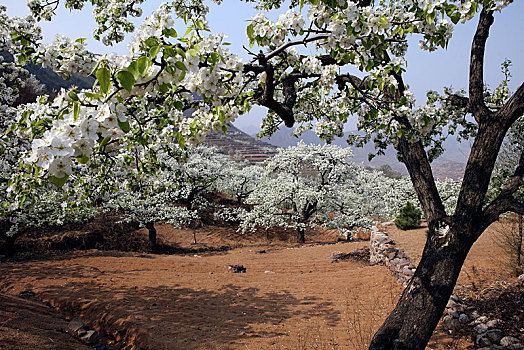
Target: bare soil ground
[(290, 297)]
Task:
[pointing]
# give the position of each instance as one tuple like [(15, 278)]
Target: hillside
[(237, 141), (52, 81), (450, 165)]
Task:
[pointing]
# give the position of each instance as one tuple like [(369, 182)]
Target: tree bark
[(152, 237), (301, 235), (422, 303), (518, 268)]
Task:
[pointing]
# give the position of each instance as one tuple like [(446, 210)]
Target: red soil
[(290, 297)]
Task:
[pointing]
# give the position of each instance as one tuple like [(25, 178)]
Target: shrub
[(409, 217)]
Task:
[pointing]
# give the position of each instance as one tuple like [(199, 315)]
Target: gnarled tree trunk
[(422, 303)]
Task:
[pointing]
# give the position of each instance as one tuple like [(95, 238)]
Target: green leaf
[(180, 65), (104, 141), (182, 75), (104, 79), (455, 17), (133, 69), (142, 64), (178, 105), (126, 79), (181, 140), (58, 181), (73, 96), (181, 52), (76, 110), (91, 95), (153, 52), (172, 32), (150, 42), (83, 159), (250, 31), (124, 126), (214, 57)]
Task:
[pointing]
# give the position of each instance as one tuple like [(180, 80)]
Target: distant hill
[(52, 81), (450, 165), (237, 141)]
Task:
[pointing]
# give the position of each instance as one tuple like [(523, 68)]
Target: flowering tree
[(148, 208), (136, 107), (239, 179), (189, 178), (299, 186), (39, 204)]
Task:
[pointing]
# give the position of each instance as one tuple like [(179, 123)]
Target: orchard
[(131, 124)]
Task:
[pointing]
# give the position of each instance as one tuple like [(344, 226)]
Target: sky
[(425, 70)]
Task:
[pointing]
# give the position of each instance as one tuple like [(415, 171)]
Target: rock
[(463, 318), (507, 341), (482, 341), (480, 328), (390, 253), (482, 319), (495, 335), (451, 303), (474, 315), (401, 262), (448, 322), (91, 337), (237, 268), (388, 223), (517, 346), (75, 325), (521, 278), (459, 308), (268, 271), (454, 314), (335, 255), (494, 323)]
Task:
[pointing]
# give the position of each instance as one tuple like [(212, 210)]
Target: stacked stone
[(383, 251), (487, 334)]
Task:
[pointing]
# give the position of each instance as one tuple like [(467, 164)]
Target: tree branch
[(477, 107), (505, 201), (513, 108), (290, 43)]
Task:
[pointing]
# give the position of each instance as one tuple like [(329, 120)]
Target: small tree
[(408, 217)]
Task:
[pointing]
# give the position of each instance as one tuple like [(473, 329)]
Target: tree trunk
[(422, 303), (194, 236), (301, 235), (518, 267), (152, 237), (9, 246)]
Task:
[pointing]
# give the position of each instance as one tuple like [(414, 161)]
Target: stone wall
[(383, 251)]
